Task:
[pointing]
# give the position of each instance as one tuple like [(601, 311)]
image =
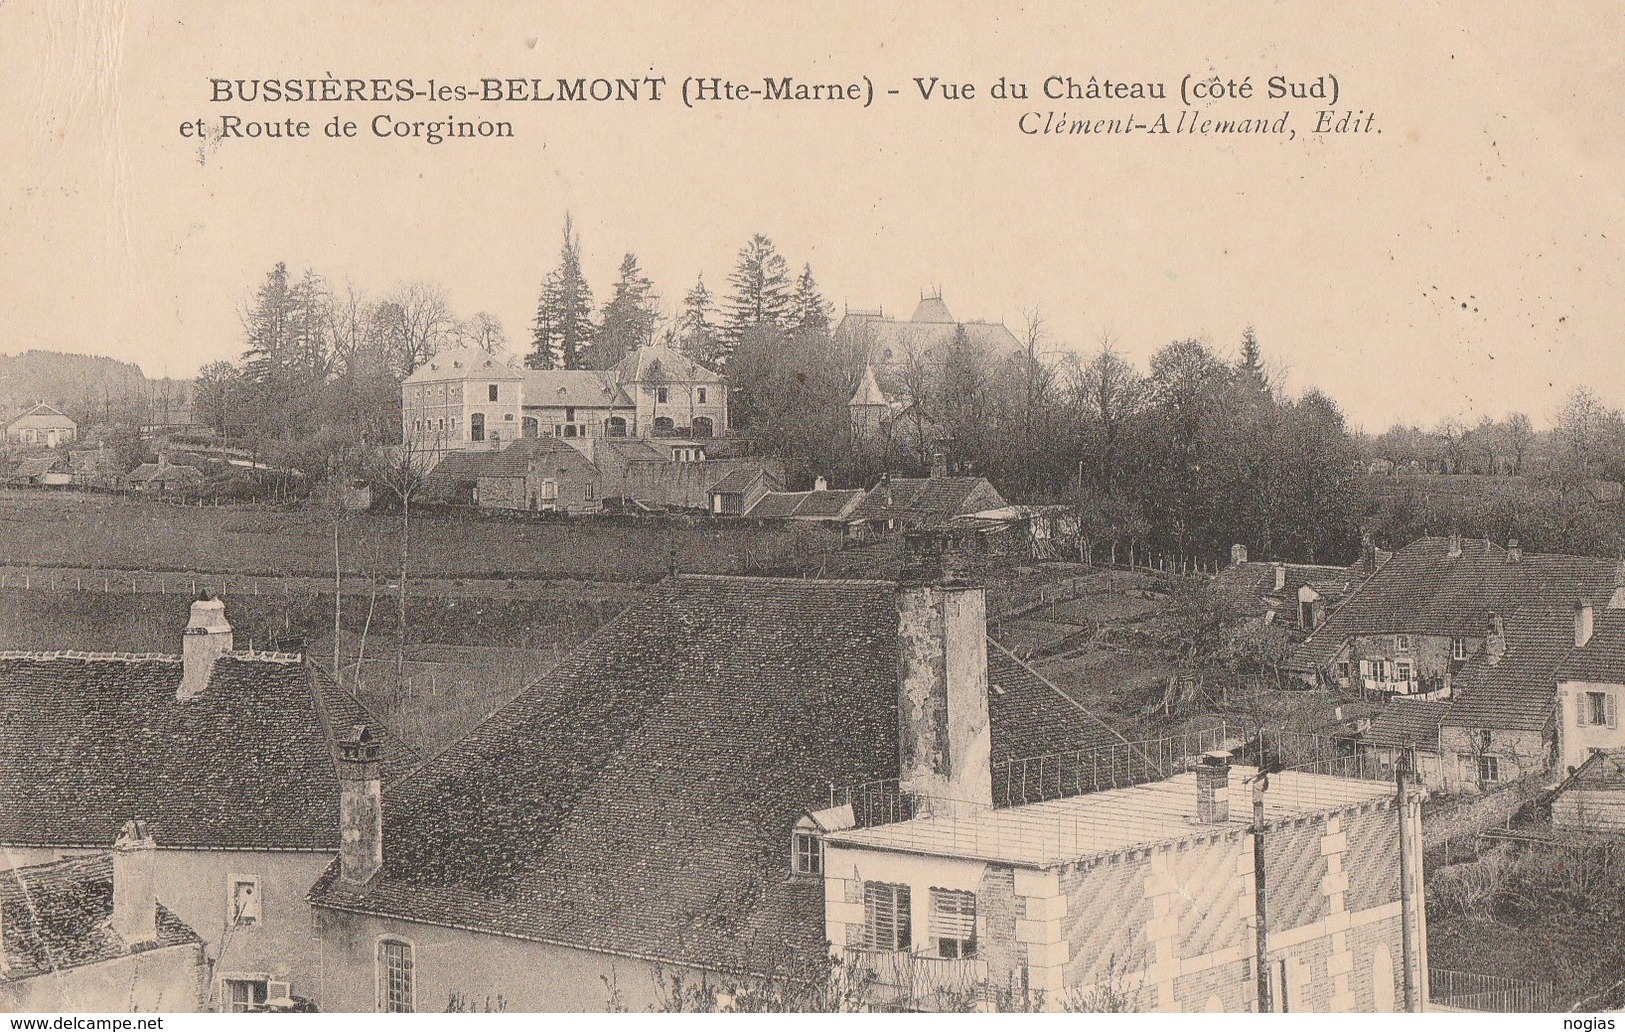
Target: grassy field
[(67, 529)]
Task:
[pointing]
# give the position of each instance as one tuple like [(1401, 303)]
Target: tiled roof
[(460, 465), (634, 450), (1602, 659), (640, 799), (657, 362), (1407, 722), (1423, 590), (464, 364), (42, 417), (927, 500), (156, 472), (777, 505), (737, 481), (28, 469), (86, 745), (1030, 718), (55, 916), (552, 456), (1249, 588), (1519, 692), (575, 388), (827, 505)]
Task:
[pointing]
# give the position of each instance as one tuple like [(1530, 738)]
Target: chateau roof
[(655, 363), (575, 388), (464, 364)]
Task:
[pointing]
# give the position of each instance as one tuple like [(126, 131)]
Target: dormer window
[(1458, 649), (1402, 643), (807, 854)]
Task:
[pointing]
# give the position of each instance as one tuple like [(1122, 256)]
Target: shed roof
[(1406, 723)]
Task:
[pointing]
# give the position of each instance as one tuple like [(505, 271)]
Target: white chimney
[(361, 808), (135, 896), (946, 746), (1455, 546), (1514, 551), (1238, 555), (1617, 599), (207, 638), (1213, 788), (1582, 624), (1280, 576), (820, 484)]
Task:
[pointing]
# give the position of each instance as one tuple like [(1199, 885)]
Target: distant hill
[(86, 387)]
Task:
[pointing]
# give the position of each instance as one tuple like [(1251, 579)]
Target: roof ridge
[(47, 656), (762, 579)]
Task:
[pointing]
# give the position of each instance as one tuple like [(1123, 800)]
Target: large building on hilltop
[(466, 399), (903, 365)]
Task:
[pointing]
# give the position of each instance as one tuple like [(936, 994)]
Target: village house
[(1413, 625), (226, 758), (87, 934), (538, 475), (736, 493), (39, 471), (634, 813), (468, 400), (42, 426), (1296, 597), (908, 503), (1143, 898), (1590, 738), (820, 505), (163, 477)]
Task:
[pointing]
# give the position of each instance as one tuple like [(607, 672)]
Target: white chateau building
[(465, 399)]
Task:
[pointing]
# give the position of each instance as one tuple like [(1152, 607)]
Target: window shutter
[(1612, 703), (953, 914)]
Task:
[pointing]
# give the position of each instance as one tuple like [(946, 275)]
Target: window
[(569, 414), (664, 427), (1489, 769), (809, 853), (476, 426), (239, 995), (1402, 643), (953, 923), (661, 395), (615, 426), (491, 392), (702, 395), (395, 988), (507, 417), (569, 429), (1597, 709), (1343, 670), (454, 422), (886, 916), (591, 490), (244, 900), (1458, 648), (550, 490), (1402, 670), (442, 423)]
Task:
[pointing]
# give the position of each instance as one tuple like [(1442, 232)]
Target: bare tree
[(484, 331), (418, 323), (402, 471)]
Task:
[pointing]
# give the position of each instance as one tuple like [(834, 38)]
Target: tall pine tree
[(628, 319), (696, 334), (761, 293), (809, 312), (563, 326)]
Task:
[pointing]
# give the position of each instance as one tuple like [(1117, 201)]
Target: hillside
[(73, 383)]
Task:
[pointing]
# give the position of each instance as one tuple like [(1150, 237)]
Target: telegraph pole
[(1261, 782)]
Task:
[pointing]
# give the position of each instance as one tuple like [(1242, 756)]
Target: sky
[(1464, 261)]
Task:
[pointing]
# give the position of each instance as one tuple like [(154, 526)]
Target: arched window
[(397, 990), (664, 427), (529, 427), (615, 426), (702, 426)]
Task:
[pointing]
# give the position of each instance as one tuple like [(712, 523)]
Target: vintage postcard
[(839, 507)]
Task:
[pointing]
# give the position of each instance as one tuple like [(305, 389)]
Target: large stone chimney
[(821, 484), (945, 744), (207, 638), (1514, 551), (1238, 555), (1213, 788), (1455, 546), (1583, 622), (361, 809), (135, 894)]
